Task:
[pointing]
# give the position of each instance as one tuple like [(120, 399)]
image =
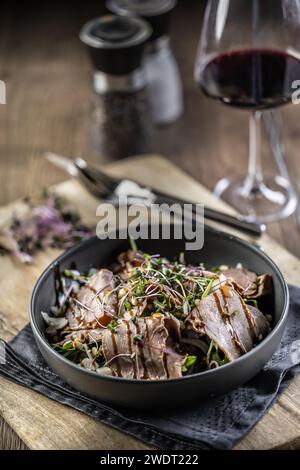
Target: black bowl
[(219, 248)]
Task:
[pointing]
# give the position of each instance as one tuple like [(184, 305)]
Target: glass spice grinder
[(163, 79), (120, 121)]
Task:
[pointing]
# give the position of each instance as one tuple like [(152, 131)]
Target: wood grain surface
[(48, 78), (43, 424)]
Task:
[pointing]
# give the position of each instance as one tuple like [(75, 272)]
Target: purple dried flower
[(52, 224)]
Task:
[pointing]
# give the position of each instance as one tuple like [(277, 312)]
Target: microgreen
[(251, 302), (190, 360), (133, 245), (112, 325), (208, 288)]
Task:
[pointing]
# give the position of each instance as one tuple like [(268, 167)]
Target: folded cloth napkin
[(218, 423)]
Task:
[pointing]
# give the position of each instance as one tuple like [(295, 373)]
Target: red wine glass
[(249, 58)]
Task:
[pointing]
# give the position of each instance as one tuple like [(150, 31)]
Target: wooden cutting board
[(44, 424)]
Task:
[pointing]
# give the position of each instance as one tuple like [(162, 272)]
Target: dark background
[(48, 78)]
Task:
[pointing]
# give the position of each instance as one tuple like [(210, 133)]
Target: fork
[(109, 188)]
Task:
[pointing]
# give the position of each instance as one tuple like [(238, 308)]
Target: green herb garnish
[(112, 326), (215, 269), (133, 244), (251, 302), (138, 338), (190, 360), (208, 288), (68, 350)]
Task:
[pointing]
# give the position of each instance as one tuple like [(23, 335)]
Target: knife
[(108, 188)]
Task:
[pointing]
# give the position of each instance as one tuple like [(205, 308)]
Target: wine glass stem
[(254, 176)]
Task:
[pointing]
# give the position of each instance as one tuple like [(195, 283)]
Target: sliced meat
[(206, 319), (153, 346), (174, 361), (247, 283), (198, 272), (264, 286), (225, 319), (83, 335), (126, 262), (96, 303), (119, 350), (73, 322), (147, 352), (158, 347), (174, 327)]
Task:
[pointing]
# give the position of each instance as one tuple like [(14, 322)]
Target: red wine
[(251, 78)]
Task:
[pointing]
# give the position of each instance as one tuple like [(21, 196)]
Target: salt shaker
[(120, 119), (163, 79)]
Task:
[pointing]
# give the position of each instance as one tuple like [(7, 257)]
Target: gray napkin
[(218, 423)]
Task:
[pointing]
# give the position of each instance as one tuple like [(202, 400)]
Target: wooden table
[(44, 424), (47, 75)]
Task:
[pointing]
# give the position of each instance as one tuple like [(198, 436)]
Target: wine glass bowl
[(248, 59)]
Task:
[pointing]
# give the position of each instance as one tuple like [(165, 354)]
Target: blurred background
[(48, 78)]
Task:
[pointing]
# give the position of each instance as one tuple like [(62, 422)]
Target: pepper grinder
[(120, 121), (163, 79)]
